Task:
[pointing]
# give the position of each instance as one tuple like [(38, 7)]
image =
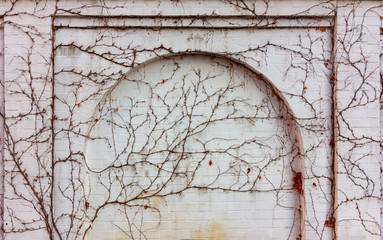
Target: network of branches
[(119, 122)]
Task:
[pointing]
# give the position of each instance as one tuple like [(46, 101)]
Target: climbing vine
[(114, 120)]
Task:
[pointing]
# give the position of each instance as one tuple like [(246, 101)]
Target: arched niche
[(192, 146)]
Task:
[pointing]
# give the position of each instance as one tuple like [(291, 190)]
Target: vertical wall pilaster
[(357, 132), (27, 142)]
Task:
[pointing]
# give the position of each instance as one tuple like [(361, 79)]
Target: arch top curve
[(224, 56), (227, 62), (290, 114)]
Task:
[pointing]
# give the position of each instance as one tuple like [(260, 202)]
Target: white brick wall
[(234, 213), (84, 60), (357, 158), (2, 119)]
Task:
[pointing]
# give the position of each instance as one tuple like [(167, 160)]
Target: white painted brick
[(201, 214)]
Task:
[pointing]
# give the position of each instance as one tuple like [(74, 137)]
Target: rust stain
[(215, 231)]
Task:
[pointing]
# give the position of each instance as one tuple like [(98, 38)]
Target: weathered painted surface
[(191, 119)]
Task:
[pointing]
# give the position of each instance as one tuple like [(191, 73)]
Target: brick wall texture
[(222, 119)]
